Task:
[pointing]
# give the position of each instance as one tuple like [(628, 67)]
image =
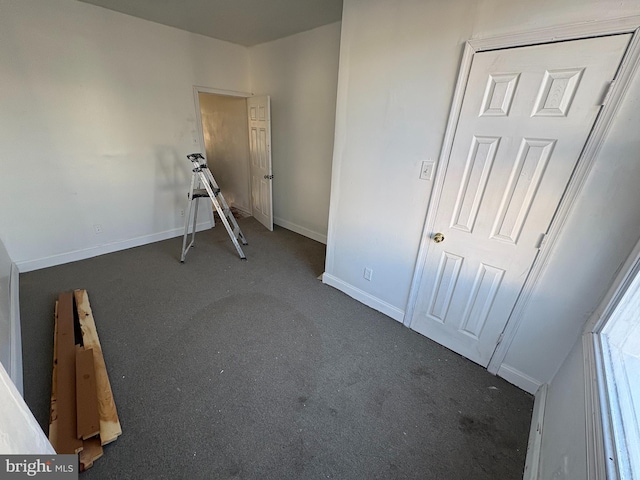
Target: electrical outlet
[(368, 273), (182, 213), (426, 173), (97, 228)]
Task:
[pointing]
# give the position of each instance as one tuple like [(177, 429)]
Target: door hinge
[(607, 93), (500, 339), (542, 241)]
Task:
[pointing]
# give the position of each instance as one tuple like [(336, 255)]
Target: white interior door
[(525, 116), (259, 112)]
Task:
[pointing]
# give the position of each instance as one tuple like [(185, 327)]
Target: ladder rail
[(185, 247), (227, 211), (203, 175), (214, 199)]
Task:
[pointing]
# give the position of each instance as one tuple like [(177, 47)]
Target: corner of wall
[(534, 446), (339, 141), (306, 232), (21, 433), (15, 367), (83, 254), (519, 379), (363, 297)]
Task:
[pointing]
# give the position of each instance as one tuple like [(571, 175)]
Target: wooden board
[(110, 427), (53, 412), (86, 395), (90, 453), (65, 389)]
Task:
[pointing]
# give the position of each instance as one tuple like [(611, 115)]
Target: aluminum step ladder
[(204, 185)]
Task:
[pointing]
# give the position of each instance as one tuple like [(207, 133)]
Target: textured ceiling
[(245, 22)]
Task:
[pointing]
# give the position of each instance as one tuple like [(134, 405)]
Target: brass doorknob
[(438, 237)]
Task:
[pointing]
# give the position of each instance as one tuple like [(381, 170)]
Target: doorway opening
[(225, 132), (235, 133)]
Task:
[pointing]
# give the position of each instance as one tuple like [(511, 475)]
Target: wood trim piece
[(222, 91), (559, 33), (519, 379), (618, 466), (110, 428), (91, 452), (65, 389), (86, 397), (596, 450), (53, 411), (534, 446), (15, 365), (626, 274), (363, 297), (611, 455)]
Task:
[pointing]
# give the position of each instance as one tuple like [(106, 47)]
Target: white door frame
[(196, 99), (602, 124)]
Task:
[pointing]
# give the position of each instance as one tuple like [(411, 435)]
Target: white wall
[(20, 433), (564, 445), (96, 117), (398, 67), (603, 228), (10, 335), (566, 425), (5, 308), (225, 128), (300, 73)]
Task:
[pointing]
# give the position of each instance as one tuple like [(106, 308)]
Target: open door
[(259, 113)]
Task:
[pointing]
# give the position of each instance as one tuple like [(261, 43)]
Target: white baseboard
[(73, 256), (15, 366), (364, 297), (318, 237), (534, 447), (519, 379), (244, 210)]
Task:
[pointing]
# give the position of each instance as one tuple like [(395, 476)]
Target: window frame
[(607, 404)]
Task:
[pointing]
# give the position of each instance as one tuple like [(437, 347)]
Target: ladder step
[(199, 193), (202, 192), (202, 177)]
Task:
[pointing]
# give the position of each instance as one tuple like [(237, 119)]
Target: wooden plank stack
[(83, 414)]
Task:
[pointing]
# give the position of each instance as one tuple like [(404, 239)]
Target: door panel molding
[(618, 89), (260, 168), (520, 192)]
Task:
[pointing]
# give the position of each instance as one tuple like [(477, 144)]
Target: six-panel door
[(525, 117)]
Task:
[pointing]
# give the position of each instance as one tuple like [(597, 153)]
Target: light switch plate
[(426, 173), (368, 273)]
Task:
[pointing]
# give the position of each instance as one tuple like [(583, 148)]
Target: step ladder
[(204, 185)]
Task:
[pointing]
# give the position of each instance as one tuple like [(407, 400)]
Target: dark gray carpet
[(223, 368)]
